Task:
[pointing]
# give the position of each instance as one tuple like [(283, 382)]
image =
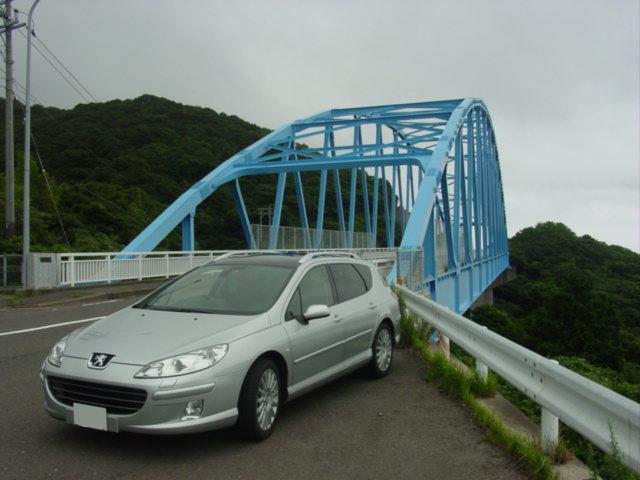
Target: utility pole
[(26, 240), (10, 207)]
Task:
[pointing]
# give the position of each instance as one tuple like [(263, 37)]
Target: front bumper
[(166, 397)]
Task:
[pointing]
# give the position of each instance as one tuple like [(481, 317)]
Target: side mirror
[(316, 311)]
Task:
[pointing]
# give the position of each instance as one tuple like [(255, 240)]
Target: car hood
[(138, 337)]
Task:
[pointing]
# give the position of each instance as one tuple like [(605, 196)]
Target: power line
[(24, 92), (44, 172), (57, 69), (113, 205), (68, 70), (105, 202), (87, 190), (46, 179), (53, 200), (65, 68), (22, 89)]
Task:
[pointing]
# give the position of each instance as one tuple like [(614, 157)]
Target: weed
[(609, 467), (15, 299)]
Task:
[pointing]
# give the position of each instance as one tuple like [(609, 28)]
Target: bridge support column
[(188, 236), (549, 427)]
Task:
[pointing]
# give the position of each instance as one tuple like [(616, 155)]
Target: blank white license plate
[(89, 416)]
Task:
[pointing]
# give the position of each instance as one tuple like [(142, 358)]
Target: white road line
[(100, 303), (15, 332)]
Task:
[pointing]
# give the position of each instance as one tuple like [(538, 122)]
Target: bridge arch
[(433, 165), (459, 220)]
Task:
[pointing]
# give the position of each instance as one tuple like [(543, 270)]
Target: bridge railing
[(301, 238), (592, 410), (409, 267), (107, 267)]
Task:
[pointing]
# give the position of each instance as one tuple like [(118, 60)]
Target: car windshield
[(227, 289)]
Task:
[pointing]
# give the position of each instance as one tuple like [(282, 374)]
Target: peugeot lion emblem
[(100, 360)]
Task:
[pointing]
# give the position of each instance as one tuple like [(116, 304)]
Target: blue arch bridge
[(427, 178), (436, 176)]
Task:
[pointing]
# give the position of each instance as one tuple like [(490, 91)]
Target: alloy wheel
[(268, 399), (384, 349)]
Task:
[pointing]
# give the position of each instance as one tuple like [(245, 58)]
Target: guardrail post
[(191, 259), (166, 261), (483, 370), (591, 409), (4, 270), (72, 267), (444, 345), (139, 266), (108, 268), (549, 427)]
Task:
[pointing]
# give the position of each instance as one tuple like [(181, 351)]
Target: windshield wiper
[(177, 309)]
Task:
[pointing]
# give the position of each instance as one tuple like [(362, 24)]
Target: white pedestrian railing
[(107, 267), (586, 406)]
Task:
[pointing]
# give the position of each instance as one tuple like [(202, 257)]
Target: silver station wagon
[(225, 344)]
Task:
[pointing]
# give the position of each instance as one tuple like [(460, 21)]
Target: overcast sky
[(560, 78)]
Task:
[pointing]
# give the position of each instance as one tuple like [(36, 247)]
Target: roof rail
[(337, 253), (247, 253)]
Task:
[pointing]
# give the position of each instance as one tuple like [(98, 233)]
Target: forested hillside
[(115, 166), (575, 299)]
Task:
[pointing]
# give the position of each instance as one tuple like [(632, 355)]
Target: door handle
[(372, 306), (337, 318)]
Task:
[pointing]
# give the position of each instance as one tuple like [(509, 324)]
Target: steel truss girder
[(450, 144), (470, 203)]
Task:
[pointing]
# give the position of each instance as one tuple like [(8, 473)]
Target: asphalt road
[(397, 427)]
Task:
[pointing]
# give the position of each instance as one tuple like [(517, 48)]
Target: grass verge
[(15, 299), (467, 386), (603, 466)]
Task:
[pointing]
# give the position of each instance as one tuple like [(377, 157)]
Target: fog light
[(193, 410)]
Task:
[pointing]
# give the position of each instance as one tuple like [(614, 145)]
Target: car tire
[(260, 401), (382, 348)]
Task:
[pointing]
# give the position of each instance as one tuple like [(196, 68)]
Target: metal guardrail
[(584, 405), (107, 267)]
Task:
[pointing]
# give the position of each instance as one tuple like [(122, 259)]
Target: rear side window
[(365, 272), (349, 282), (315, 288)]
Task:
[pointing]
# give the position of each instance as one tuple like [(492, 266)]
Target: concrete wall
[(43, 270)]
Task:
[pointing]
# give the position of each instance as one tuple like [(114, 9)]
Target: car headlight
[(186, 363), (57, 352)]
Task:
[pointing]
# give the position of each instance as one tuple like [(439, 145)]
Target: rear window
[(349, 282)]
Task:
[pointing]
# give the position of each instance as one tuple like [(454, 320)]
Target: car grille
[(117, 400)]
